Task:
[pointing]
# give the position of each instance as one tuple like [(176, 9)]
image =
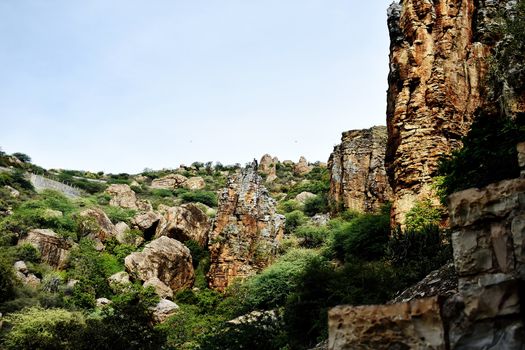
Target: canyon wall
[(358, 178), (438, 60)]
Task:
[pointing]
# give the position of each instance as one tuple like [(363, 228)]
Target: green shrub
[(423, 214), (289, 206), (28, 253), (38, 328), (312, 236), (316, 205), (22, 157), (204, 197), (293, 220), (364, 237), (161, 192), (7, 279), (117, 214), (488, 155)]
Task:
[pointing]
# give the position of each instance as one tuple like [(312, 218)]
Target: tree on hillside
[(22, 157)]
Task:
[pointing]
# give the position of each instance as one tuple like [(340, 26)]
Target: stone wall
[(486, 313), (358, 178)]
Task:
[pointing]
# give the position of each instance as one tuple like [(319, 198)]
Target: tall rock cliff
[(358, 178), (247, 230), (438, 60)]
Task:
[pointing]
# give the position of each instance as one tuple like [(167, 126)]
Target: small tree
[(22, 157)]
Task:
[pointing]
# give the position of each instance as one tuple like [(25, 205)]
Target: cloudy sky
[(122, 85)]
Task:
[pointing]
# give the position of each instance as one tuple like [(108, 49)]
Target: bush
[(423, 214), (289, 206), (28, 253), (312, 236), (488, 155), (7, 279), (38, 328), (22, 157), (204, 197), (364, 237), (316, 205), (117, 214), (293, 220)]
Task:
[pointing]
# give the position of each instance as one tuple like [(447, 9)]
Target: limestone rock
[(302, 167), (358, 178), (169, 182), (164, 309), (95, 224), (413, 325), (438, 62), (194, 183), (53, 249), (122, 196), (184, 223), (118, 281), (304, 196), (247, 230), (166, 259)]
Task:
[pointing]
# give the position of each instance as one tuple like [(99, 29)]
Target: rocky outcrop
[(169, 182), (268, 166), (165, 259), (486, 312), (413, 325), (194, 183), (122, 196), (302, 167), (53, 249), (358, 178), (185, 223), (304, 196), (163, 310), (438, 60), (25, 276), (247, 230), (95, 224)]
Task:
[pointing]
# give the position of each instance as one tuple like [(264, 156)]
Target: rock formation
[(95, 224), (438, 62), (194, 183), (165, 259), (53, 249), (486, 312), (358, 178), (122, 196), (247, 230), (268, 166), (302, 167), (184, 223), (169, 182)]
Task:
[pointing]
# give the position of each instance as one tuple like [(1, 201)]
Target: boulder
[(194, 183), (166, 259), (169, 182), (304, 196), (95, 224), (184, 223), (163, 310), (101, 302), (118, 281), (23, 274), (302, 167), (53, 249), (161, 289), (146, 221), (122, 196)]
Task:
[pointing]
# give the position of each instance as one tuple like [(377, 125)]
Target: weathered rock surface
[(413, 325), (304, 196), (169, 182), (118, 281), (358, 178), (160, 287), (166, 259), (122, 196), (184, 223), (146, 221), (194, 183), (53, 249), (23, 274), (438, 60), (164, 309), (302, 167), (247, 230), (268, 166)]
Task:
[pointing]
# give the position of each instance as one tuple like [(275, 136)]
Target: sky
[(123, 85)]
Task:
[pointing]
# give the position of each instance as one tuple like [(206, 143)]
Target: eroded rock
[(122, 196), (169, 182), (53, 249), (184, 223)]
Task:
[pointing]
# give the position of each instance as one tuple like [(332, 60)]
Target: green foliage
[(204, 197), (161, 192), (28, 253), (364, 237), (22, 157), (315, 187), (316, 205), (488, 155), (294, 219), (15, 179), (37, 328), (289, 206), (418, 252), (7, 279), (117, 214), (312, 236), (423, 214)]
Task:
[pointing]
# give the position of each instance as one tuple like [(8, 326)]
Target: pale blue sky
[(120, 85)]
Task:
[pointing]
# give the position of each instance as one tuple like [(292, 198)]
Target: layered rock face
[(486, 311), (247, 230), (184, 223), (54, 250), (438, 59), (358, 178)]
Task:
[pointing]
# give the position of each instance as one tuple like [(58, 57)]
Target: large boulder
[(163, 310), (302, 167), (194, 183), (169, 182), (304, 196), (247, 230), (184, 223), (122, 196), (166, 259), (53, 249), (95, 224)]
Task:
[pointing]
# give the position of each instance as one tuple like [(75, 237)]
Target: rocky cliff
[(247, 230), (358, 178), (438, 60)]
